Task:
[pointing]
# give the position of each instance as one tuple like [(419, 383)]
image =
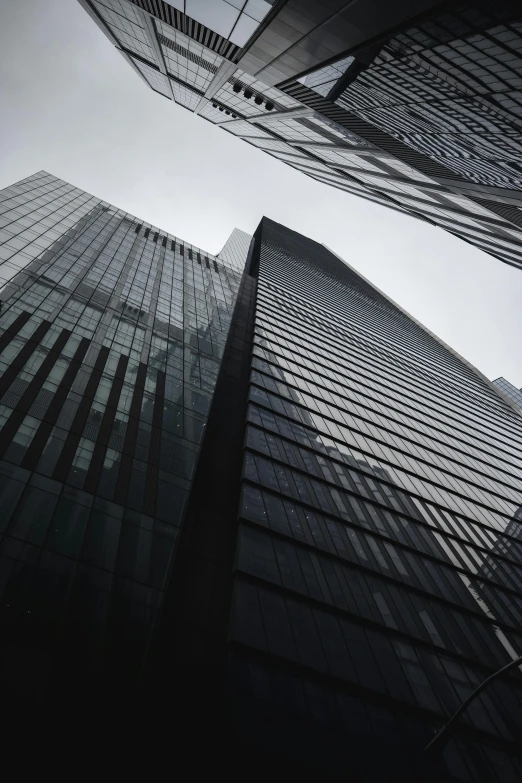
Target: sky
[(70, 104)]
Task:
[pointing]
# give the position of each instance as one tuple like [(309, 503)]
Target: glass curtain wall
[(111, 337), (379, 576)]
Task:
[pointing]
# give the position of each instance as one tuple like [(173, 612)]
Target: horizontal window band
[(383, 389), (403, 513), (360, 353), (269, 587), (400, 584), (393, 447), (333, 684), (479, 504)]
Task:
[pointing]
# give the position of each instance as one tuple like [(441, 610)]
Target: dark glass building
[(415, 104), (112, 337), (380, 489), (264, 514)]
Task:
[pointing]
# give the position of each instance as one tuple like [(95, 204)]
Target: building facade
[(267, 502), (514, 394), (414, 105), (375, 505), (112, 337)]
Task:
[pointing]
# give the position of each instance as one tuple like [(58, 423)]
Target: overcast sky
[(70, 104)]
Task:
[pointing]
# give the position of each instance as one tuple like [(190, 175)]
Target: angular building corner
[(255, 518), (415, 105)]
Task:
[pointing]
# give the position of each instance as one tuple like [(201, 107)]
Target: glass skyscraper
[(415, 104), (251, 495), (112, 337), (380, 489)]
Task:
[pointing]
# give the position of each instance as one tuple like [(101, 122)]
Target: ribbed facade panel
[(112, 334), (378, 565)]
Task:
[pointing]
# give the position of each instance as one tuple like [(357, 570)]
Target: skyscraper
[(112, 337), (414, 105), (368, 528), (266, 501)]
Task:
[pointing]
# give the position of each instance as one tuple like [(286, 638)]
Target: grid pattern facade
[(378, 567), (514, 394), (452, 89), (435, 112), (187, 60), (111, 338), (235, 20)]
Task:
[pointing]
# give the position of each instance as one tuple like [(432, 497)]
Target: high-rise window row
[(412, 105)]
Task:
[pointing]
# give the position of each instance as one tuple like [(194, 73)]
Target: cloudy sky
[(70, 104)]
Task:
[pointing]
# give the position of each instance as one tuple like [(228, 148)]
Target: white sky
[(70, 104)]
